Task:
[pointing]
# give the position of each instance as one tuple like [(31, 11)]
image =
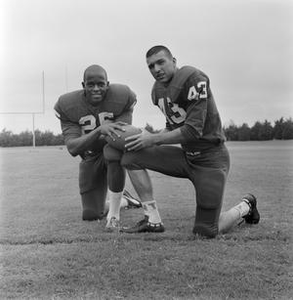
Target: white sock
[(124, 202), (114, 205), (243, 208), (150, 210)]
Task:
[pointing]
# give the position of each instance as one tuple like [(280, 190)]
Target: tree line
[(25, 138), (260, 131)]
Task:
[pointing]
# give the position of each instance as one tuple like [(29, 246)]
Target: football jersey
[(78, 117), (187, 103)]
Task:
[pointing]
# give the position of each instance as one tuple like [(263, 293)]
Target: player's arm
[(168, 137), (147, 139), (198, 93), (126, 116), (192, 128), (127, 113), (77, 144)]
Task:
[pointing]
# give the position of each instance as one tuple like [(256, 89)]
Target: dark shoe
[(253, 216), (144, 226), (132, 202)]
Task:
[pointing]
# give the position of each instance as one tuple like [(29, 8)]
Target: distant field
[(48, 252)]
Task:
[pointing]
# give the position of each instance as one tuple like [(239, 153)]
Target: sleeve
[(196, 93), (126, 115), (69, 129)]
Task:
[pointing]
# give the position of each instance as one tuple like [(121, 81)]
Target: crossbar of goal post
[(33, 113)]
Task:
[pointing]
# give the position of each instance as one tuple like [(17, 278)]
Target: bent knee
[(112, 154), (130, 161)]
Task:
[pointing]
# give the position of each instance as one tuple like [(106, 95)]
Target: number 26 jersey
[(78, 117)]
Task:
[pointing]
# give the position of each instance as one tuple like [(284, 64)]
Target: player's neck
[(92, 105), (166, 84)]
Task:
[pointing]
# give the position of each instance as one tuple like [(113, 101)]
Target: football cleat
[(253, 215), (113, 224), (131, 201), (144, 226)]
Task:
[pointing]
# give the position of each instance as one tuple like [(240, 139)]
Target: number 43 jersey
[(187, 102), (78, 117)]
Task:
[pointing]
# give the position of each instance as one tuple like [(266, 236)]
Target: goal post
[(32, 113)]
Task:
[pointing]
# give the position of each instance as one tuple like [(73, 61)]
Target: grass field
[(48, 252)]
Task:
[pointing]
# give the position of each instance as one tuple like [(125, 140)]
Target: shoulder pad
[(181, 76), (67, 103), (69, 99), (117, 90), (175, 86), (120, 94)]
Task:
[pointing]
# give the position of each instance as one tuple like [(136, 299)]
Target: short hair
[(156, 49), (94, 68)]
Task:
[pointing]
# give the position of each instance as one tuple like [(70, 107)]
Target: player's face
[(95, 87), (162, 67)]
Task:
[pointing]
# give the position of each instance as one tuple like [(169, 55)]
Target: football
[(119, 143)]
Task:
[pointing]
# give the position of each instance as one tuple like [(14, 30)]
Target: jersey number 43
[(172, 111)]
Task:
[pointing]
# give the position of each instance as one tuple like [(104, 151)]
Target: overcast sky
[(244, 46)]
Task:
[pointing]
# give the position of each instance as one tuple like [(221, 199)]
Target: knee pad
[(112, 154)]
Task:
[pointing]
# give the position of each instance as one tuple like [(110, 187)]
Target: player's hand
[(112, 129), (139, 141)]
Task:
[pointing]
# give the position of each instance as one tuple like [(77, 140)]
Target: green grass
[(48, 252)]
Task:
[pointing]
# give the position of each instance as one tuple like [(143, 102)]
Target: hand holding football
[(119, 142)]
